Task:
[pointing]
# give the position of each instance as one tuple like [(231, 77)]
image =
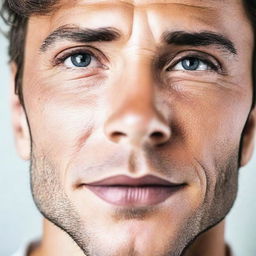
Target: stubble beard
[(54, 204)]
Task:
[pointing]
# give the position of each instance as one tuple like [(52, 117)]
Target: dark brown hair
[(17, 12)]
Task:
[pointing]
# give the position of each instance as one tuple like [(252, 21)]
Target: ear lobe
[(19, 121), (248, 139)]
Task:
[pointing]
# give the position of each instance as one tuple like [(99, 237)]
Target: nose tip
[(137, 130)]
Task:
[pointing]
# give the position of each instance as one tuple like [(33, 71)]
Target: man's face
[(137, 89)]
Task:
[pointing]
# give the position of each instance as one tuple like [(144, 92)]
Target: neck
[(210, 243), (56, 242)]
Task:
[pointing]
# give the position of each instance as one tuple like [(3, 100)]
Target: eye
[(80, 60), (194, 64)]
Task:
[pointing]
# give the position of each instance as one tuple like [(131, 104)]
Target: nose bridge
[(134, 117), (137, 81), (136, 78), (136, 88)]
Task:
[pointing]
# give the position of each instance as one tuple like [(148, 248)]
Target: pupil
[(81, 60), (190, 64)]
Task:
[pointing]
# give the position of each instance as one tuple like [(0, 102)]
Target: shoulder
[(25, 249), (229, 251), (22, 251)]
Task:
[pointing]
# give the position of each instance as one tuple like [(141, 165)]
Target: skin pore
[(159, 88)]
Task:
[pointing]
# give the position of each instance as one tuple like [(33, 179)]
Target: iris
[(81, 59), (190, 63)]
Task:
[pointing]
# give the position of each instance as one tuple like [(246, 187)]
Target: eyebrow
[(80, 35), (108, 34), (205, 38)]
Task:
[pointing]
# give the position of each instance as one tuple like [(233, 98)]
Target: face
[(133, 119)]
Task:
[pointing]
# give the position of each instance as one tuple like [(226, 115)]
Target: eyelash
[(214, 67), (59, 60)]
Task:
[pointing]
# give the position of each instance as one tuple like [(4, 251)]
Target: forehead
[(155, 12), (135, 3), (150, 18)]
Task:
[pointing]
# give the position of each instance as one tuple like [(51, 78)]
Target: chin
[(137, 234)]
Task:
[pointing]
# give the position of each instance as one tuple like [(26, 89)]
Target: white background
[(20, 221)]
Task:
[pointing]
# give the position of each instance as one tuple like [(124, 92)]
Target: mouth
[(134, 192)]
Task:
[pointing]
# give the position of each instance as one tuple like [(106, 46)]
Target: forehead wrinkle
[(93, 5), (132, 4), (149, 3), (201, 4)]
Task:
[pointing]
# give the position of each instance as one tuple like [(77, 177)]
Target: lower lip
[(134, 196)]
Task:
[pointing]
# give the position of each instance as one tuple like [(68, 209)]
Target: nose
[(135, 118), (135, 126)]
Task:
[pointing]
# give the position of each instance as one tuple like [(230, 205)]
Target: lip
[(125, 191)]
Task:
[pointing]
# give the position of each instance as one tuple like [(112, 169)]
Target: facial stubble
[(54, 204)]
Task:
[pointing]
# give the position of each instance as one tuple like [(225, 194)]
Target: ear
[(248, 138), (19, 121)]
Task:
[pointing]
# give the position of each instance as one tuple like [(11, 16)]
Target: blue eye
[(190, 64), (80, 60), (193, 64)]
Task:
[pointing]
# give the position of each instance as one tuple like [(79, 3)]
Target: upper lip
[(124, 180)]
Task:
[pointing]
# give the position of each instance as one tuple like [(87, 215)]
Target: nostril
[(117, 135), (136, 130), (158, 138), (156, 135)]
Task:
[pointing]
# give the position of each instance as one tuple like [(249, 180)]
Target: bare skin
[(145, 101), (210, 243)]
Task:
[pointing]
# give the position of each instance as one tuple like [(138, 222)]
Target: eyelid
[(206, 62), (208, 59), (94, 52)]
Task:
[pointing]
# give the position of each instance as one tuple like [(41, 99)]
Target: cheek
[(207, 127), (60, 122), (213, 122)]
